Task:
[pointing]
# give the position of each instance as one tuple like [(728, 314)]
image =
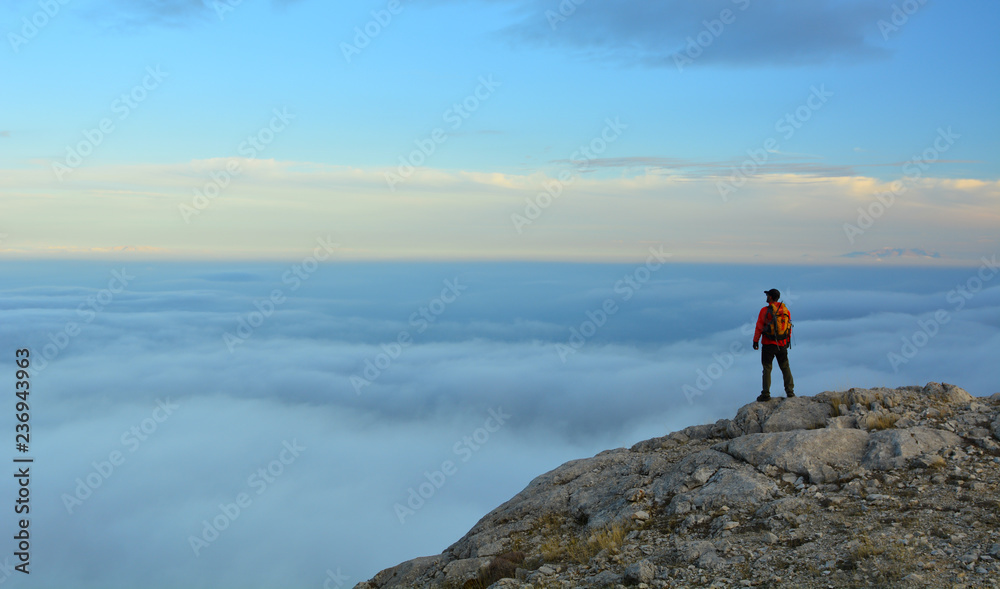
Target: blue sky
[(551, 85)]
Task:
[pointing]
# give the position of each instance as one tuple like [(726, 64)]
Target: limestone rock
[(798, 413), (888, 449), (692, 551), (679, 478), (605, 579), (595, 491), (929, 461), (947, 393), (740, 485), (641, 572), (699, 432), (750, 419), (855, 397), (407, 573), (900, 485), (467, 569), (824, 455), (719, 429), (778, 416), (711, 561)]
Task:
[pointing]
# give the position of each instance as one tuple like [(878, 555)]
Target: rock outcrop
[(868, 486)]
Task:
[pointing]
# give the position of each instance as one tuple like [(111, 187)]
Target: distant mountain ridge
[(893, 252), (896, 487)]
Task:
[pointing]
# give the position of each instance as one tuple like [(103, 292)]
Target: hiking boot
[(789, 394), (764, 397)]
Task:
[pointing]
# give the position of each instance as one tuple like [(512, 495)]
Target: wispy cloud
[(893, 252), (776, 164), (130, 14), (463, 215), (757, 32)]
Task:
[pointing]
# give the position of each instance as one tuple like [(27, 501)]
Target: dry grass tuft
[(879, 421), (555, 548)]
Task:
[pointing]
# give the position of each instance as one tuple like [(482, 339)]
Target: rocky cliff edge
[(897, 487)]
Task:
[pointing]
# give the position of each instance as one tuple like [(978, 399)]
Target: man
[(774, 322)]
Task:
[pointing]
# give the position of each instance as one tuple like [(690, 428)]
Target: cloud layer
[(127, 14), (518, 340)]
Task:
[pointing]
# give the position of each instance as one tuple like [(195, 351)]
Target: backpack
[(778, 326)]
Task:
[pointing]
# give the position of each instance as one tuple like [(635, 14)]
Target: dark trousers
[(768, 352)]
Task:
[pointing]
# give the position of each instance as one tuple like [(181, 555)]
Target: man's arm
[(760, 326)]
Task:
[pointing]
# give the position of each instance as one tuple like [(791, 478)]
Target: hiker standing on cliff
[(774, 323)]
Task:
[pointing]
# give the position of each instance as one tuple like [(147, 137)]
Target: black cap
[(773, 293)]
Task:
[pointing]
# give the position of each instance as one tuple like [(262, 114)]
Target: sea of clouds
[(308, 424)]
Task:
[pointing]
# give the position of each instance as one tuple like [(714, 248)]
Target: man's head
[(772, 295)]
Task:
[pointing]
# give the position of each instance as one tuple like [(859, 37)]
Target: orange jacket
[(762, 318)]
